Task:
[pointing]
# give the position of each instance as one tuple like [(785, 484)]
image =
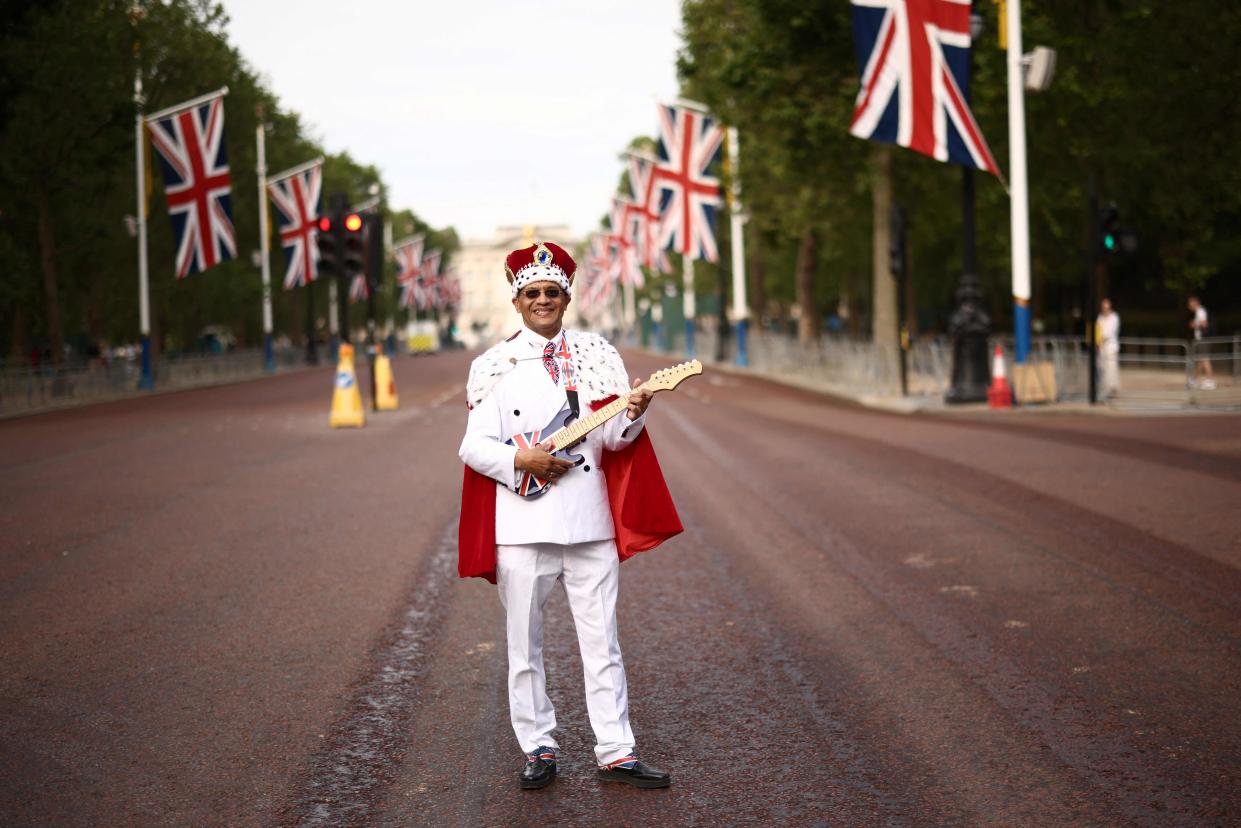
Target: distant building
[(487, 315)]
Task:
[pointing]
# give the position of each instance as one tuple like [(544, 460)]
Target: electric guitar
[(565, 431)]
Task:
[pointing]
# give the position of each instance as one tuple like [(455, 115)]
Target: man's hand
[(639, 399), (540, 463)]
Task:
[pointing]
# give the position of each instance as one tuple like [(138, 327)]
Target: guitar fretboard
[(578, 429)]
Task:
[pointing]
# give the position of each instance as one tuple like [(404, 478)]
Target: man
[(592, 515), (1107, 339), (1199, 325)]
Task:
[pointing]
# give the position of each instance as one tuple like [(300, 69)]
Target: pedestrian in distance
[(1107, 340), (533, 518), (1204, 377)]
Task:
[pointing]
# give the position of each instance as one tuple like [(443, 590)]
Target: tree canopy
[(68, 261), (1143, 98)]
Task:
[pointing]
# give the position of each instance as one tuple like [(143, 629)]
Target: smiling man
[(531, 519)]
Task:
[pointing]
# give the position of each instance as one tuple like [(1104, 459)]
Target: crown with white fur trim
[(542, 262)]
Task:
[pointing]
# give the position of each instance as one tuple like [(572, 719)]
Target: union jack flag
[(644, 212), (427, 287), (528, 480), (625, 256), (359, 288), (194, 158), (689, 142), (295, 196), (451, 292), (408, 266), (914, 56)]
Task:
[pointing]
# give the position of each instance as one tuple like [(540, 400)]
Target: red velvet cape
[(642, 509)]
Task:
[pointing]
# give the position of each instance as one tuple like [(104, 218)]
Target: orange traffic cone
[(999, 395)]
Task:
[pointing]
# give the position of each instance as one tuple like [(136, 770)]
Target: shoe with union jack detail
[(540, 768), (633, 772)]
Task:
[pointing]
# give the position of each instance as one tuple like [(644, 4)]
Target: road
[(217, 611)]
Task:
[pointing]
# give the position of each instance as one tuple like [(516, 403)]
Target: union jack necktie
[(549, 361)]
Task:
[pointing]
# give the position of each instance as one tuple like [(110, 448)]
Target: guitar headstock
[(670, 378)]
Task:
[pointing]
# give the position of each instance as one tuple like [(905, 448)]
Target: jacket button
[(516, 413), (585, 468)]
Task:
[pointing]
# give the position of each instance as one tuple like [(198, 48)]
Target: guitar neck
[(578, 429)]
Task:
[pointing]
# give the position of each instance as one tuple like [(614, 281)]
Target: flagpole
[(146, 380), (689, 303), (741, 305), (260, 139), (1019, 212)]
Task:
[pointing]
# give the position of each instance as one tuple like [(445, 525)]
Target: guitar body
[(528, 485), (567, 431)]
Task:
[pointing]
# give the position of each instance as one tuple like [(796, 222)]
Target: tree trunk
[(884, 299), (808, 321), (47, 258)]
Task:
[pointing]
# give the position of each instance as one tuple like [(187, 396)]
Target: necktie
[(549, 361)]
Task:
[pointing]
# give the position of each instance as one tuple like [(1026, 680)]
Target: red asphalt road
[(218, 611)]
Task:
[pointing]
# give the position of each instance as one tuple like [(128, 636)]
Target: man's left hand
[(639, 399)]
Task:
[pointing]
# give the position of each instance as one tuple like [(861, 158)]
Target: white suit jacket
[(508, 398)]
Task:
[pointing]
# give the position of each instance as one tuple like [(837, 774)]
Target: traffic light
[(1109, 221), (1113, 237), (353, 255), (896, 244), (329, 247)]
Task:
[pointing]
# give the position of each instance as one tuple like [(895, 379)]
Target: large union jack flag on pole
[(914, 56), (194, 158), (408, 266), (295, 195), (689, 143)]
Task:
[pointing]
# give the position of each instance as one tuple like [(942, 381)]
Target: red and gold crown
[(542, 262)]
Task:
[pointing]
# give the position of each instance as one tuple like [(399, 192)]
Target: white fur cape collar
[(600, 371)]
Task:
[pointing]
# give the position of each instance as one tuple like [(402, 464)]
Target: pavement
[(218, 611)]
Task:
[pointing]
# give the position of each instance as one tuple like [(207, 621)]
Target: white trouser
[(525, 576)]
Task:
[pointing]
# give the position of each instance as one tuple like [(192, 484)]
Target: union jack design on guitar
[(565, 431)]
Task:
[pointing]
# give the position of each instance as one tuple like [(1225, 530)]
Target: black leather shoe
[(635, 773), (540, 768)]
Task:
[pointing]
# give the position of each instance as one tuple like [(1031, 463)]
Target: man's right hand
[(540, 463)]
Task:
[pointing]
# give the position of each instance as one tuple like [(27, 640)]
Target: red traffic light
[(353, 222), (325, 224)]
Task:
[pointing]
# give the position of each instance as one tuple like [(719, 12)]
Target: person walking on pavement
[(1199, 325), (1107, 340), (611, 505)]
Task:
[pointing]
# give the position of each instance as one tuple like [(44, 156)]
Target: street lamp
[(969, 325)]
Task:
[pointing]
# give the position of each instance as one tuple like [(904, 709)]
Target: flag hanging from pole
[(914, 59), (621, 239), (295, 195), (426, 288), (689, 143), (359, 289), (645, 213), (408, 266), (194, 158)]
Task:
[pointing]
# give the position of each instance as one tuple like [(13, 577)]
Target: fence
[(26, 390), (1154, 373)]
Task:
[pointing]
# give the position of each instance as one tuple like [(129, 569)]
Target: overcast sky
[(478, 113)]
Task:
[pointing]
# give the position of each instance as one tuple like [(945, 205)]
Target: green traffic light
[(1109, 241)]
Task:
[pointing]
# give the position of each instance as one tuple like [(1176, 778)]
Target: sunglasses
[(533, 293)]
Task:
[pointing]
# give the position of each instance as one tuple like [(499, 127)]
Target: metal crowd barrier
[(27, 390), (1154, 373)]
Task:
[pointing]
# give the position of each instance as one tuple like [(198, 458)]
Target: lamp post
[(969, 325)]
